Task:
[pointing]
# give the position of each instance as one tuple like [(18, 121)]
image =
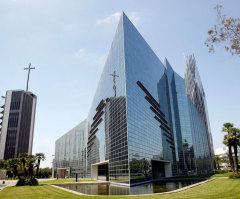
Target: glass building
[(70, 151), (143, 125)]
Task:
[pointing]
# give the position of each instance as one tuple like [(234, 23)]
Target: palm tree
[(30, 163), (227, 127), (218, 160), (3, 164), (13, 165), (39, 156), (23, 157), (228, 143), (235, 132)]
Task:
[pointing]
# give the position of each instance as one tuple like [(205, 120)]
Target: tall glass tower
[(196, 94), (142, 124)]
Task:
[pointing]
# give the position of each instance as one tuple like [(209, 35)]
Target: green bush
[(29, 181), (44, 173), (21, 182), (234, 175)]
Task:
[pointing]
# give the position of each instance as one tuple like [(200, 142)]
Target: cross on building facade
[(114, 83)]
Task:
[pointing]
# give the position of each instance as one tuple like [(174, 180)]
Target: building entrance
[(103, 172), (161, 169), (100, 171)]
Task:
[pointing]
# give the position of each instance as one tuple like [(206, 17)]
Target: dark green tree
[(30, 164), (40, 157), (3, 164), (23, 157), (13, 165), (235, 133), (218, 161), (227, 128)]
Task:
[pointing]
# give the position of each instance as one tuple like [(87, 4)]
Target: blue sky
[(68, 41)]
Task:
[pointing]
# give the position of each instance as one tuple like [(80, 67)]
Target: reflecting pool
[(110, 189)]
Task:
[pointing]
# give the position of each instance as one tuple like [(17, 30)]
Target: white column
[(5, 123), (32, 125)]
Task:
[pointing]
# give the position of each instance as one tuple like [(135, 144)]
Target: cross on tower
[(114, 82), (29, 69)]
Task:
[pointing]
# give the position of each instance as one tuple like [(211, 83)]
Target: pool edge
[(168, 192)]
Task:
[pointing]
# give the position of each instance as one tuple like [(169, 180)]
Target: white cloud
[(89, 59), (111, 19), (134, 17), (114, 18)]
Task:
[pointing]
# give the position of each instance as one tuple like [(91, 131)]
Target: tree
[(218, 161), (13, 165), (3, 164), (228, 142), (39, 156), (44, 172), (30, 163), (235, 133), (23, 157), (227, 30)]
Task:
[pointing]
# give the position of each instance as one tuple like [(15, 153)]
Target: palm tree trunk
[(38, 165), (230, 157), (16, 172), (235, 154), (25, 170)]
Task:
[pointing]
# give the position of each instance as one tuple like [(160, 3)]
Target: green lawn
[(221, 174), (65, 181), (208, 175), (219, 188)]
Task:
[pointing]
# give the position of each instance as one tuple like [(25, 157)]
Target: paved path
[(7, 183)]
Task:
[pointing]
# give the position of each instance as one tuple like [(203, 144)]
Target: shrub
[(234, 175), (29, 181), (44, 173), (21, 182)]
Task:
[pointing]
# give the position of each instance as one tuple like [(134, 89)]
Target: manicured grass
[(221, 174), (65, 181), (209, 175), (219, 188)]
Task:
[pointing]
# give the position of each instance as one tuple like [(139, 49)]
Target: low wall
[(3, 174)]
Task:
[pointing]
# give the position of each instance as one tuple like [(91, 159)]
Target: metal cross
[(114, 82), (29, 69)]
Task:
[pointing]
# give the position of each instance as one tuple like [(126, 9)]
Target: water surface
[(109, 189)]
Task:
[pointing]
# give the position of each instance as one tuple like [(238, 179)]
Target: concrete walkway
[(8, 183)]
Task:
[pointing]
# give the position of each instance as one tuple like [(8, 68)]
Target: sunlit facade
[(142, 124), (70, 151)]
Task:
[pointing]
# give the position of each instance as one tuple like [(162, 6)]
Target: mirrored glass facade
[(70, 151), (196, 94), (142, 124)]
